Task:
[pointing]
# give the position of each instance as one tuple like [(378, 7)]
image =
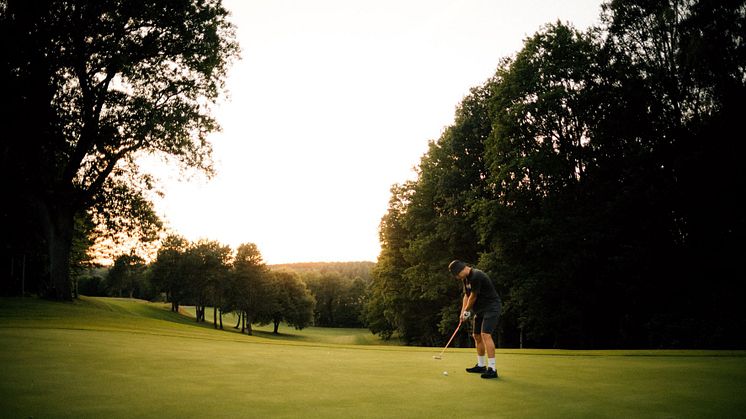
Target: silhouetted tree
[(168, 271), (251, 290), (126, 277), (595, 177), (90, 85)]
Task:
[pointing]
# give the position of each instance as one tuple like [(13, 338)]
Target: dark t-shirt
[(478, 282)]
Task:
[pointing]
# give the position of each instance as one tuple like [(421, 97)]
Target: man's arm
[(468, 303)]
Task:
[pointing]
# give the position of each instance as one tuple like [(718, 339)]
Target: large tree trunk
[(249, 331), (60, 234), (277, 326), (246, 324)]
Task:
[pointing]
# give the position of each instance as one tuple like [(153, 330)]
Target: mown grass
[(123, 358), (333, 335)]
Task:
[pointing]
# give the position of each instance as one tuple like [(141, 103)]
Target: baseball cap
[(456, 266)]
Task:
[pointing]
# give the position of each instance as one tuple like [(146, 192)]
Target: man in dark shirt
[(481, 305)]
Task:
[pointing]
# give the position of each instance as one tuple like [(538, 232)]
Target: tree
[(689, 57), (167, 272), (537, 221), (250, 287), (80, 259), (126, 277), (88, 87), (340, 300), (430, 222), (600, 172), (293, 301), (352, 304), (384, 292), (325, 288), (207, 264), (338, 289)]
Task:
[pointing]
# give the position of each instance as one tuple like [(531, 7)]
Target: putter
[(440, 355)]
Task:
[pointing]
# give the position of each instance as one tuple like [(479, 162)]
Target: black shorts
[(486, 321)]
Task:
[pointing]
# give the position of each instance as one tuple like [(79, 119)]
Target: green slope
[(123, 358)]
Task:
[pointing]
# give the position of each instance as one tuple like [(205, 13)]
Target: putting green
[(123, 358)]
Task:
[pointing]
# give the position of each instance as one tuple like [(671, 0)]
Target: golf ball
[(445, 372)]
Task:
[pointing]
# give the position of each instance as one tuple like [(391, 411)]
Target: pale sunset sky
[(331, 103)]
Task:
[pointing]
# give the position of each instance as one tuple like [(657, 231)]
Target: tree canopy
[(89, 86), (595, 178)]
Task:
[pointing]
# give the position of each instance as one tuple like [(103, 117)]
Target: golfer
[(481, 306)]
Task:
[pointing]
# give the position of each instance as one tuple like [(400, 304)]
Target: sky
[(331, 103)]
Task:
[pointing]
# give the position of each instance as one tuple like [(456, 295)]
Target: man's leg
[(479, 343), (488, 345), (488, 327), (481, 359)]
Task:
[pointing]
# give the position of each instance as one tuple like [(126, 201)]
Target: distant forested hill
[(351, 270)]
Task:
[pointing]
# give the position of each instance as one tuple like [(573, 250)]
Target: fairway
[(101, 357)]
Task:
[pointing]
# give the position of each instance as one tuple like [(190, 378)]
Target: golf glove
[(466, 315)]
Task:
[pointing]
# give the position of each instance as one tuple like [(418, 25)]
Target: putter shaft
[(449, 341)]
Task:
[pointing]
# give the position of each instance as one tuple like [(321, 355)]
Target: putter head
[(436, 357)]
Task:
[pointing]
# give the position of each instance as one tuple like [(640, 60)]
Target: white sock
[(481, 360), (492, 364)]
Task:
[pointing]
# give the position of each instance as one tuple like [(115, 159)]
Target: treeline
[(361, 269), (208, 274), (596, 177), (339, 289)]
